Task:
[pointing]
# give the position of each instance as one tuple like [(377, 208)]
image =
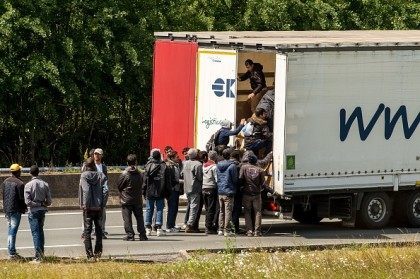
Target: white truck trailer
[(347, 108)]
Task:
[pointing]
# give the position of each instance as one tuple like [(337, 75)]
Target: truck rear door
[(279, 159), (216, 92)]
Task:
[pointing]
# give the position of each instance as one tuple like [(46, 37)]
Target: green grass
[(354, 262)]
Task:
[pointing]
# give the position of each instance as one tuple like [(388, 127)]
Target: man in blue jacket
[(226, 132), (227, 178)]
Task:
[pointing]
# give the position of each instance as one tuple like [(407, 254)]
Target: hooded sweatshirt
[(157, 180), (192, 172), (209, 175), (227, 177), (91, 190)]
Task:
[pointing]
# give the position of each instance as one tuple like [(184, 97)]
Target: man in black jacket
[(92, 193), (14, 206), (130, 185), (156, 187), (257, 80)]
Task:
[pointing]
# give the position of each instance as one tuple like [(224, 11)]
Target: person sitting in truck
[(257, 133), (256, 78), (226, 132)]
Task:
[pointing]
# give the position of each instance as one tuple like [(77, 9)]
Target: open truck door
[(216, 92), (279, 159), (174, 74)]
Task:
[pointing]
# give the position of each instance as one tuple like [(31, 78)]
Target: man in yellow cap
[(14, 206)]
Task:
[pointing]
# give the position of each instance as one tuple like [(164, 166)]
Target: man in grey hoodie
[(192, 172), (91, 199), (210, 190), (37, 198)]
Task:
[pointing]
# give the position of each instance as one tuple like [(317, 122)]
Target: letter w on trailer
[(347, 110)]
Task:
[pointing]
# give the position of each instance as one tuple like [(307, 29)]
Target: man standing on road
[(92, 194), (37, 198), (173, 201), (237, 204), (130, 185), (156, 187), (252, 180), (210, 190), (101, 168), (193, 181), (14, 206), (226, 185)]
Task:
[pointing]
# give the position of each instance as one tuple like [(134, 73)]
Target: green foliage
[(77, 74)]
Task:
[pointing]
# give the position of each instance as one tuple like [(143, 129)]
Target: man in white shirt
[(101, 168)]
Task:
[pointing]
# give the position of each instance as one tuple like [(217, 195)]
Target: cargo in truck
[(347, 109)]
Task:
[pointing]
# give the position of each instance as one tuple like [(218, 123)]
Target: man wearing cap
[(226, 132), (37, 198), (14, 206), (101, 168)]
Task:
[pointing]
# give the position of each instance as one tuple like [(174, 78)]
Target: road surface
[(63, 230)]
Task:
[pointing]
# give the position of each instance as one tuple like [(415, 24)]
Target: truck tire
[(306, 217), (375, 211), (413, 209)]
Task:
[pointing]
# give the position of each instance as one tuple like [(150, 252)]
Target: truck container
[(347, 108)]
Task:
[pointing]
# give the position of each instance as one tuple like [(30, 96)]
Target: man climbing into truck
[(256, 78)]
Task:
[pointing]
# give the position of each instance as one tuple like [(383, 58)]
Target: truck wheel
[(306, 217), (413, 209), (375, 210)]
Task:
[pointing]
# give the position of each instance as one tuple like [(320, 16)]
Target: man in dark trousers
[(130, 185), (37, 198), (92, 194), (14, 206), (257, 80)]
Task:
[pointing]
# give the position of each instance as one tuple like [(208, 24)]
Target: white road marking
[(47, 246)]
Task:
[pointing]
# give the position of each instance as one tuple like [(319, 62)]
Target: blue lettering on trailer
[(219, 88), (390, 123)]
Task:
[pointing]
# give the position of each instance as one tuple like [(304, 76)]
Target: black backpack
[(213, 141)]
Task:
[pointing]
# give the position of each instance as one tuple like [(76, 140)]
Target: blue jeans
[(150, 208), (260, 144), (14, 221), (173, 203), (36, 222)]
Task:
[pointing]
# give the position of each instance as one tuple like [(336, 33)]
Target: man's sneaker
[(257, 234), (35, 261), (172, 230), (249, 233), (148, 231), (177, 228), (184, 226), (128, 238), (160, 232), (15, 257), (220, 233), (105, 233), (104, 236), (143, 238), (229, 234)]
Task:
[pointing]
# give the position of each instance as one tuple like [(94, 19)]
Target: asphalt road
[(63, 230)]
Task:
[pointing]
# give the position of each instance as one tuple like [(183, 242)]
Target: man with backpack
[(130, 185), (221, 137), (156, 187)]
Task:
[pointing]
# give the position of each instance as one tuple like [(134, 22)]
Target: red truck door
[(173, 108)]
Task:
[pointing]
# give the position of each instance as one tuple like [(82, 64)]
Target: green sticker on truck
[(290, 162)]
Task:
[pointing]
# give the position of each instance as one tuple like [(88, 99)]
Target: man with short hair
[(130, 185), (13, 206), (257, 81), (37, 198), (102, 168), (193, 181), (226, 185), (173, 201), (237, 204), (92, 194)]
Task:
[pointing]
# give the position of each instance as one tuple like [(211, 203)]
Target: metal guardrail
[(59, 169)]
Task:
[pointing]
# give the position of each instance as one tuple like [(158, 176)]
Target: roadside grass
[(358, 261)]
